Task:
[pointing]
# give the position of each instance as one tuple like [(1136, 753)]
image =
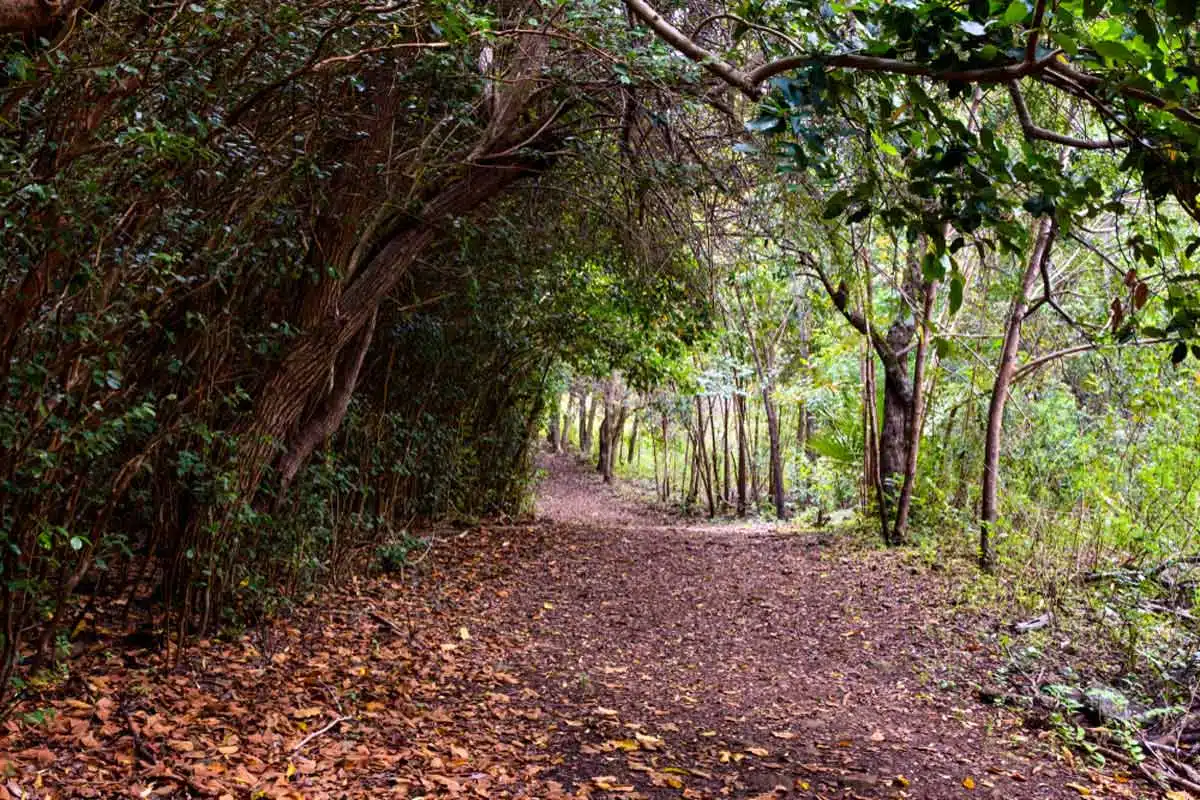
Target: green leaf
[(1092, 8), (1113, 51), (1016, 11), (933, 267), (1179, 353), (1068, 45), (956, 293), (836, 205)]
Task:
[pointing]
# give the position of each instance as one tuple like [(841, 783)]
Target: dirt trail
[(604, 651), (767, 662)]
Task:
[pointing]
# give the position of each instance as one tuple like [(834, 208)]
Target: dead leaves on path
[(385, 691), (551, 663)]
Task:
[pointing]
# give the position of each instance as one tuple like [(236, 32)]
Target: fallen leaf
[(648, 742), (969, 782), (609, 783), (628, 745), (307, 713), (43, 756)]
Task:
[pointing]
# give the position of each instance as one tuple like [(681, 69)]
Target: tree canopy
[(280, 280)]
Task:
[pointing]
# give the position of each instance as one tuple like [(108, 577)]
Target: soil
[(605, 649)]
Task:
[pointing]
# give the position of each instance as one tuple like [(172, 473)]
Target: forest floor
[(604, 650)]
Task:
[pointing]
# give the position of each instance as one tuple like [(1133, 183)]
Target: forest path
[(761, 663), (604, 650)]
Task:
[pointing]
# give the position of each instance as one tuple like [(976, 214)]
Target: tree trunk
[(585, 443), (754, 476), (874, 474), (305, 368), (618, 433), (714, 453), (892, 439), (332, 412), (776, 454), (702, 458), (605, 452), (553, 433), (1004, 375), (666, 460), (590, 427), (725, 495), (740, 409), (912, 432), (633, 435)]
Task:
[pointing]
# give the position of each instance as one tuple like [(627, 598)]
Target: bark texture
[(1005, 371)]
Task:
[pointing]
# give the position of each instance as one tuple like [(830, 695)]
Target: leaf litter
[(605, 650)]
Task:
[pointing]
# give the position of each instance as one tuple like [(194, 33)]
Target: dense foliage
[(279, 279)]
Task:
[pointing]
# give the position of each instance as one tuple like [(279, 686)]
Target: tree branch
[(705, 58), (1032, 366), (1035, 31), (704, 23), (1001, 74), (1032, 131)]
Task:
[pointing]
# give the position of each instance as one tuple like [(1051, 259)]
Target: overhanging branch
[(1033, 131), (702, 56)]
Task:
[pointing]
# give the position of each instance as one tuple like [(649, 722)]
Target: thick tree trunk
[(892, 440), (604, 456), (305, 368), (332, 411), (1004, 375)]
